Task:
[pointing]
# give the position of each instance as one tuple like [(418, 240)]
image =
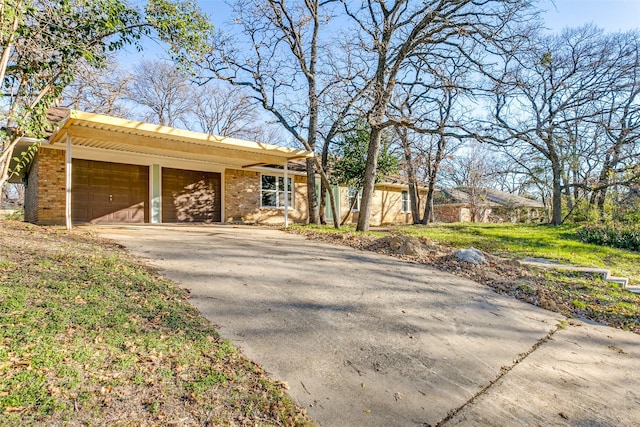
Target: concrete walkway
[(368, 340), (604, 273)]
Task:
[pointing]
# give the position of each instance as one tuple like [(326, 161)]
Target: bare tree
[(278, 63), (163, 91), (224, 111), (229, 111), (101, 90), (434, 122), (554, 84), (389, 33), (472, 170), (621, 123)]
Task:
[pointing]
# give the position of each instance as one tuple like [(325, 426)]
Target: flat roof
[(112, 133)]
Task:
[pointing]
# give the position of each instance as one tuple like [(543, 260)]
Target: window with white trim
[(357, 194), (272, 191), (405, 201)]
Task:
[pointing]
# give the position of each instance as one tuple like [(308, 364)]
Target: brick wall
[(45, 192), (242, 199), (386, 207), (460, 213), (447, 213)]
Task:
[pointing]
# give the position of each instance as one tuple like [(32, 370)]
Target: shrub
[(16, 215), (617, 236)]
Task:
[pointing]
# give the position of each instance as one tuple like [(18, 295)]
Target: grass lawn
[(541, 241), (89, 336)]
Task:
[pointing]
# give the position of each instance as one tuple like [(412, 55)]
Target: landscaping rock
[(471, 256)]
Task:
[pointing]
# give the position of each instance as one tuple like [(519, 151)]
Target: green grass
[(88, 334), (540, 241)]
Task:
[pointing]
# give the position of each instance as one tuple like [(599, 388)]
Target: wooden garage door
[(109, 192), (190, 196)]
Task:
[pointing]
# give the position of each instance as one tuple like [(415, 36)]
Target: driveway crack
[(503, 371)]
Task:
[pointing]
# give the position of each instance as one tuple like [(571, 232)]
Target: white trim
[(112, 156), (155, 217), (276, 191), (104, 155), (402, 193), (68, 180), (270, 171), (286, 194), (222, 195)]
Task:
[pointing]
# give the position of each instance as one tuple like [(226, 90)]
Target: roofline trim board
[(98, 123)]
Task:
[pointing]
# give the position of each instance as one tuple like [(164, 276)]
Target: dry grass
[(90, 336)]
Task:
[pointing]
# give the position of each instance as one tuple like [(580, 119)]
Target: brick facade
[(45, 190), (242, 199), (386, 207), (45, 197), (460, 213)]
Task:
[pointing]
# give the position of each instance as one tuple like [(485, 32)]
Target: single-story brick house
[(102, 169), (457, 205), (97, 169)]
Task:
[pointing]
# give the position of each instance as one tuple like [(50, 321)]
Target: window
[(355, 194), (272, 191), (405, 201)]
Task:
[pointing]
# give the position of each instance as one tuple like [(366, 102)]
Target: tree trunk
[(433, 174), (556, 209), (312, 198), (323, 203), (325, 180), (600, 199), (411, 175), (369, 178), (8, 45), (414, 202), (323, 188), (428, 208)]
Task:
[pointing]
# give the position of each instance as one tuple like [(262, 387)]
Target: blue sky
[(612, 15)]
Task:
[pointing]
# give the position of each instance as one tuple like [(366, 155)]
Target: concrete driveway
[(368, 340)]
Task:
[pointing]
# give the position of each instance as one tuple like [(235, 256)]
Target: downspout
[(68, 185), (286, 194)]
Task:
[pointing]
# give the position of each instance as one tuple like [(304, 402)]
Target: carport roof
[(112, 133)]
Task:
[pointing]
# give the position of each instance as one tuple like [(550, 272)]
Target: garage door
[(109, 192), (190, 196)]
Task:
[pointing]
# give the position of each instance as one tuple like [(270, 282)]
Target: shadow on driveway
[(367, 340)]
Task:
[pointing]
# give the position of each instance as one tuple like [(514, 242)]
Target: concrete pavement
[(367, 340)]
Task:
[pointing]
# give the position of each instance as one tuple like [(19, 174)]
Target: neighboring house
[(459, 205), (97, 168)]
